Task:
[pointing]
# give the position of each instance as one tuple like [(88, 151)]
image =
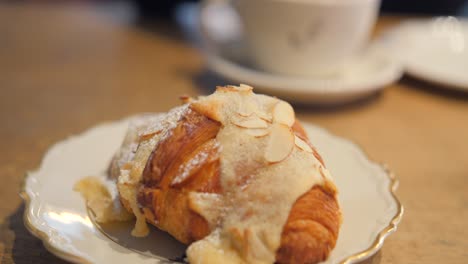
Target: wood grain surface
[(64, 69)]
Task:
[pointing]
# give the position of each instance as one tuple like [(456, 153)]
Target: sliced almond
[(280, 143), (233, 88), (258, 132), (265, 107), (247, 108), (265, 116), (250, 122), (283, 113), (229, 88), (208, 107), (244, 113), (301, 144), (245, 87)]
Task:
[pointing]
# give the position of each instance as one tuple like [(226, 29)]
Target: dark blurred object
[(158, 8), (432, 7), (165, 8)]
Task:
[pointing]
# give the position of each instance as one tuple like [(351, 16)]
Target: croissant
[(234, 176)]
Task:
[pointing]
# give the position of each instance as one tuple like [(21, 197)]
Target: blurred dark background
[(164, 8)]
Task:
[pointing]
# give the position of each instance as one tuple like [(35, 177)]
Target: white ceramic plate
[(434, 50), (60, 218)]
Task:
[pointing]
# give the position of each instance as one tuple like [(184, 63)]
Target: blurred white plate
[(59, 217), (434, 50)]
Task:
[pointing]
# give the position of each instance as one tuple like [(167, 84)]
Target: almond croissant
[(232, 174)]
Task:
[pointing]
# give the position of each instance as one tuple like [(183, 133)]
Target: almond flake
[(257, 132), (245, 87), (301, 144), (233, 88), (247, 108), (244, 114), (208, 107), (280, 144), (283, 113), (265, 116), (251, 122)]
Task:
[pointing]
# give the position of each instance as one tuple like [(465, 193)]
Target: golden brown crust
[(165, 201), (311, 229)]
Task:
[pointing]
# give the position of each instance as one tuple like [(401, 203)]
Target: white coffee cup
[(305, 37)]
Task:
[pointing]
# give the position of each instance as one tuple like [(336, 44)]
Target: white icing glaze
[(257, 195), (101, 198)]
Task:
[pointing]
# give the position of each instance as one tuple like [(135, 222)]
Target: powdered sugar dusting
[(188, 168), (129, 146), (145, 132), (142, 125), (163, 122)]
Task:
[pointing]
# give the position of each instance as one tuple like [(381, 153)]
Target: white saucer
[(221, 36), (434, 50), (367, 74), (58, 215)]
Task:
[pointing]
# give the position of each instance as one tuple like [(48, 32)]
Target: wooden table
[(65, 69)]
